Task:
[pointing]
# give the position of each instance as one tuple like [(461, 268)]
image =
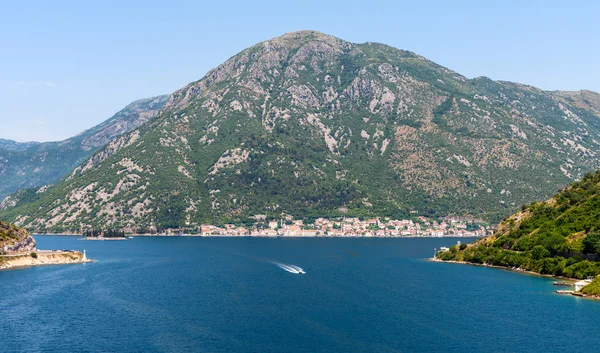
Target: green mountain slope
[(560, 236), (24, 165), (310, 125)]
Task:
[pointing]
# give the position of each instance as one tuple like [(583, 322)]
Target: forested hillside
[(560, 236)]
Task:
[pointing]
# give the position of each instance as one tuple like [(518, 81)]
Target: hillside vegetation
[(592, 289), (560, 236), (309, 125), (30, 164)]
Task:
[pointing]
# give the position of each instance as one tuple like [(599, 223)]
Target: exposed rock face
[(29, 164), (26, 245), (15, 240), (18, 249), (42, 258), (307, 124)]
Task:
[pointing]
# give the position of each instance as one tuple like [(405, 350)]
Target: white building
[(580, 284)]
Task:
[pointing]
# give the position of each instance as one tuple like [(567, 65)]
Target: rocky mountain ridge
[(14, 146), (310, 125), (28, 164)]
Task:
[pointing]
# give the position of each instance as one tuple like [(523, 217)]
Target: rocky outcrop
[(18, 249), (42, 258), (15, 240), (26, 245)]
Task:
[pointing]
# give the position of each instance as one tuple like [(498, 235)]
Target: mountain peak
[(296, 39), (307, 35), (306, 124)]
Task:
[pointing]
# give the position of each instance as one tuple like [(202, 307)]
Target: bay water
[(191, 294)]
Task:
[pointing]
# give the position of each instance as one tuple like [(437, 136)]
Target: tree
[(555, 243), (591, 243), (539, 252)]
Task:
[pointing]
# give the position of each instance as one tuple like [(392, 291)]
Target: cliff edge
[(18, 249)]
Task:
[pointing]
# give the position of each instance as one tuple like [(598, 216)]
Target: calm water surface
[(226, 295)]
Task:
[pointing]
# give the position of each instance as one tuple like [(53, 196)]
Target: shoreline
[(43, 258), (530, 273), (100, 238), (253, 236)]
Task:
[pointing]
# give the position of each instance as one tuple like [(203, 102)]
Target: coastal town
[(353, 227)]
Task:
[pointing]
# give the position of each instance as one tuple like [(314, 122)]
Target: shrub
[(592, 288), (582, 269), (34, 255)]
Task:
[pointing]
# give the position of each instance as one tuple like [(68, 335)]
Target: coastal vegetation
[(560, 236), (107, 233), (592, 289)]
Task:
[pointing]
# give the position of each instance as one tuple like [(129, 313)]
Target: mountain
[(586, 100), (560, 236), (29, 164), (14, 146), (309, 125)]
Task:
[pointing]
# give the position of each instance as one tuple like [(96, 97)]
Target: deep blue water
[(223, 295)]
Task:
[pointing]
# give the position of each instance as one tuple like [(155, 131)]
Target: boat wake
[(289, 268)]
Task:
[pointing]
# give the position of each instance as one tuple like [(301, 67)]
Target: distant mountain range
[(29, 164), (309, 125), (14, 146)]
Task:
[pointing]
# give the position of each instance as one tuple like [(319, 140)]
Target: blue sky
[(68, 65)]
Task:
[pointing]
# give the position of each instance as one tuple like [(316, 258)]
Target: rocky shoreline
[(18, 249), (587, 296), (41, 258)]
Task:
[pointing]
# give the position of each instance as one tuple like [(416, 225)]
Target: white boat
[(130, 237), (299, 270)]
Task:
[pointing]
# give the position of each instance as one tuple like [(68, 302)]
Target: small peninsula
[(18, 249), (558, 237)]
